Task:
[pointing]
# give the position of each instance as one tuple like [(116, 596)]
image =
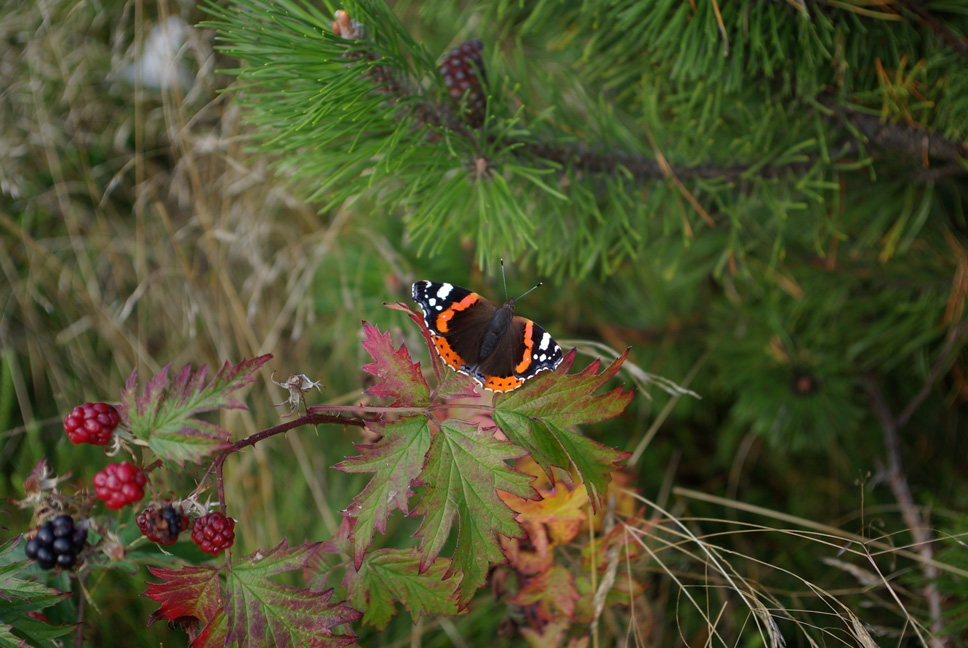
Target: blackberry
[(57, 543), (162, 525), (463, 71), (120, 484), (213, 533), (92, 423)]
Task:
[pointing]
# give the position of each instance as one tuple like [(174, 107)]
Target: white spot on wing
[(545, 341), (444, 290)]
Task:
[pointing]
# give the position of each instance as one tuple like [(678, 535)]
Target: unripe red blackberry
[(120, 484), (163, 524), (213, 533), (463, 71), (91, 423), (57, 543)]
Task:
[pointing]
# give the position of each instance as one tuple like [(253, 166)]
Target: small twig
[(935, 372), (312, 418), (897, 479), (79, 637)]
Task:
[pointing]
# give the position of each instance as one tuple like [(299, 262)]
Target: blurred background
[(801, 265)]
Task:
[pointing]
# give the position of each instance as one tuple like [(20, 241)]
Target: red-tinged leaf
[(465, 469), (165, 414), (538, 416), (552, 592), (524, 560), (396, 461), (214, 634), (340, 542), (262, 612), (399, 378), (451, 384), (183, 594), (455, 385), (389, 575)]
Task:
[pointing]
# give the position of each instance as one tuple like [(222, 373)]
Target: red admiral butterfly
[(491, 345)]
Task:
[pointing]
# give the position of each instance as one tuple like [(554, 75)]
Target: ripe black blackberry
[(92, 423), (162, 525), (57, 543), (463, 71)]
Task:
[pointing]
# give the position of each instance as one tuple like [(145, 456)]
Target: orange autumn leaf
[(559, 512)]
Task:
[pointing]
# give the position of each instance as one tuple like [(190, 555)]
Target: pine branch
[(351, 108), (890, 138), (425, 111), (928, 20), (899, 139)]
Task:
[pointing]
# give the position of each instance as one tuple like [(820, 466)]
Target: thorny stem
[(897, 479), (312, 418), (320, 415)]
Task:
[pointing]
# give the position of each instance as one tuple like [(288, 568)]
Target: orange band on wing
[(502, 384), (522, 366), (463, 304), (447, 354)]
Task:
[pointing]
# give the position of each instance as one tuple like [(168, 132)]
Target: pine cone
[(463, 71)]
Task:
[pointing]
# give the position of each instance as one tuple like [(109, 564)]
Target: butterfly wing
[(458, 320)]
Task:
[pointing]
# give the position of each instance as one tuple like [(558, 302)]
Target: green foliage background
[(785, 223)]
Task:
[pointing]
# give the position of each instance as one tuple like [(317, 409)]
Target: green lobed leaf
[(537, 417), (399, 378), (8, 639), (389, 575), (19, 596), (396, 461), (38, 633), (165, 413), (465, 468), (262, 612)]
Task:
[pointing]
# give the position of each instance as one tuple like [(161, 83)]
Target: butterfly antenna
[(505, 279), (529, 292)]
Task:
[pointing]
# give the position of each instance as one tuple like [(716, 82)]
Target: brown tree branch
[(932, 23)]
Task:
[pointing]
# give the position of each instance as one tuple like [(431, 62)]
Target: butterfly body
[(491, 344)]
